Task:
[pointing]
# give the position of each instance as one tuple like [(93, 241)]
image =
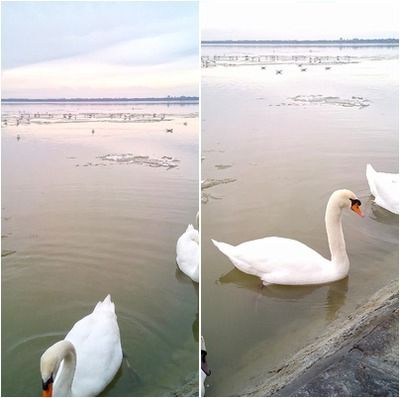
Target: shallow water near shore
[(286, 158), (79, 225)]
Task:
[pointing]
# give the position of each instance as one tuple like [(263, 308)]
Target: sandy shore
[(356, 349)]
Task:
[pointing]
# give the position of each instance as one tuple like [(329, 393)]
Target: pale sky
[(99, 49), (299, 19)]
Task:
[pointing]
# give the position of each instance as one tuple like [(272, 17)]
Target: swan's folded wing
[(274, 254)]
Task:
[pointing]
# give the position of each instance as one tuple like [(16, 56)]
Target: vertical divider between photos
[(199, 190)]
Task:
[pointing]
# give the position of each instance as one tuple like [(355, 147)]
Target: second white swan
[(187, 253), (385, 187), (290, 262)]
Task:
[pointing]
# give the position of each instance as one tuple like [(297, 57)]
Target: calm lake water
[(290, 140), (76, 227)]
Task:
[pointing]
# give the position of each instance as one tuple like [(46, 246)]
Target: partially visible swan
[(187, 252), (86, 361), (205, 371), (385, 188), (289, 262)]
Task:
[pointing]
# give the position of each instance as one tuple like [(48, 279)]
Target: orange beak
[(356, 208), (48, 392)]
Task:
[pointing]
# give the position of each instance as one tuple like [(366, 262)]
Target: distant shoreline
[(162, 100), (327, 43)]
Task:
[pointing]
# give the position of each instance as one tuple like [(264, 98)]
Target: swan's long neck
[(337, 245), (64, 351)]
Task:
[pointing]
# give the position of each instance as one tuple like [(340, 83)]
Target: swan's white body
[(289, 262), (385, 188), (187, 253), (88, 357)]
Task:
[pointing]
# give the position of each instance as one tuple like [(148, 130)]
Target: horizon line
[(339, 40), (103, 99)]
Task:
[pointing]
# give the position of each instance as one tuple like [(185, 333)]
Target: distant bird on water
[(279, 71)]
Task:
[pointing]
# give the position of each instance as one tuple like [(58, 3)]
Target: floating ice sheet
[(211, 182), (312, 99), (222, 166), (358, 102), (168, 162)]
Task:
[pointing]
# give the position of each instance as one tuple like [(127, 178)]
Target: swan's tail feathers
[(190, 228), (193, 233), (369, 167), (370, 171), (224, 248), (105, 305)]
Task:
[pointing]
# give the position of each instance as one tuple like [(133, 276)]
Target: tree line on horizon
[(103, 99), (336, 41)]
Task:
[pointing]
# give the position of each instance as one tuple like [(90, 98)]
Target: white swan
[(385, 188), (289, 262), (205, 371), (86, 361), (187, 253)]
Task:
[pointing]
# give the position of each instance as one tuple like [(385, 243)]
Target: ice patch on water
[(25, 118), (167, 162), (222, 166), (318, 99), (357, 102), (211, 182)]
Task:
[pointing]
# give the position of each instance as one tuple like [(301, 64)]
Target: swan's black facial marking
[(204, 364), (46, 384), (355, 202)]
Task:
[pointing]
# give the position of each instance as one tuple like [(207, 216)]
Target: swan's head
[(346, 199), (48, 368), (50, 362)]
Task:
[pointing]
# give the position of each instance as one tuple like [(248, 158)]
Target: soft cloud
[(102, 49), (82, 77), (147, 51)]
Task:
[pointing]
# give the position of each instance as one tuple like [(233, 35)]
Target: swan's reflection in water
[(336, 292), (195, 328), (181, 277), (195, 324), (379, 214)]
